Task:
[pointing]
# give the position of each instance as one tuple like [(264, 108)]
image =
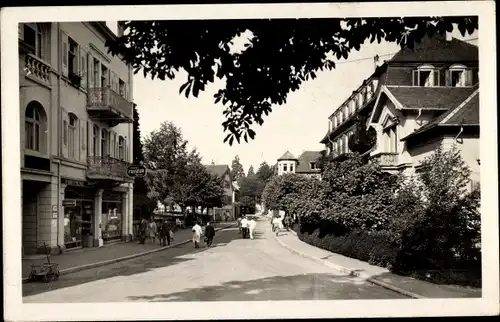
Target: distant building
[(306, 164), (228, 209)]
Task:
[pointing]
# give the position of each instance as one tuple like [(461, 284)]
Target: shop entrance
[(112, 215), (78, 217)]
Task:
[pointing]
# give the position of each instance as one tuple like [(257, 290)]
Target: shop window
[(111, 219)]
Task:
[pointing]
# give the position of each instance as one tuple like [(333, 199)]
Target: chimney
[(375, 61), (120, 28)]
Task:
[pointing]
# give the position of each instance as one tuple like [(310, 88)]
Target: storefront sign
[(69, 203), (136, 171), (77, 183), (54, 211)]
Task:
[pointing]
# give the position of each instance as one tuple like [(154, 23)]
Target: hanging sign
[(136, 171)]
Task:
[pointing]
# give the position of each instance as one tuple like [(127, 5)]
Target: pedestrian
[(153, 230), (275, 223), (143, 230), (244, 226), (197, 232), (164, 233), (251, 227), (209, 234), (238, 221)]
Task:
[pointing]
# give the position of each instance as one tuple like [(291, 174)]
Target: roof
[(287, 156), (304, 160), (438, 49), (466, 113), (218, 169), (416, 97)]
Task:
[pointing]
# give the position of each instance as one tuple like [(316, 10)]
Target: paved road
[(234, 269)]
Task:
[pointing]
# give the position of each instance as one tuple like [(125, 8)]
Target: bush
[(373, 247)]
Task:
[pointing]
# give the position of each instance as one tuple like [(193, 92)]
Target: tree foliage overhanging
[(280, 56)]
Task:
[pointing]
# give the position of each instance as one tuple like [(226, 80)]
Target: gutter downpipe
[(59, 131), (459, 133), (419, 115)]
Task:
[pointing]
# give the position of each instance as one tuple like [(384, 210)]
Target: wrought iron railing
[(36, 67), (99, 97), (386, 158), (106, 166)]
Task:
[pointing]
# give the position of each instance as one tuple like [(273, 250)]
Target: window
[(121, 147), (72, 135), (104, 76), (392, 139), (121, 85), (95, 140), (360, 99), (33, 126), (72, 57), (33, 36), (104, 142), (65, 132), (285, 167), (96, 73), (459, 76), (426, 76), (291, 167), (312, 165)]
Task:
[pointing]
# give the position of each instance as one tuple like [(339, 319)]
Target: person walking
[(197, 232), (209, 234), (164, 233), (244, 226), (143, 227), (251, 227), (153, 230)]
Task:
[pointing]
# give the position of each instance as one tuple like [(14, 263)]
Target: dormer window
[(458, 76), (426, 76), (312, 165)]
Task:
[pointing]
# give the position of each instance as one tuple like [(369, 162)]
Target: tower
[(287, 163)]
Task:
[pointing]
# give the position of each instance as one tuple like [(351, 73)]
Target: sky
[(296, 126)]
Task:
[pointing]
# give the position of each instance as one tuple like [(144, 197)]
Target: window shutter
[(415, 78), (64, 53), (64, 137), (90, 76), (83, 67), (125, 151), (436, 78), (468, 77), (112, 80), (90, 138), (125, 89), (448, 78)]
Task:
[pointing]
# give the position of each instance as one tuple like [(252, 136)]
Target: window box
[(75, 79)]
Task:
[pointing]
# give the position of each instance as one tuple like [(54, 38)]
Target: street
[(234, 269)]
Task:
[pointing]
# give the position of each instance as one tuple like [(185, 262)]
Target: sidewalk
[(85, 258), (408, 286)]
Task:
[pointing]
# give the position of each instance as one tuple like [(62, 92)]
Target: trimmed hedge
[(378, 248)]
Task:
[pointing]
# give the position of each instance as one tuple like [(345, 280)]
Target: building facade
[(306, 164), (419, 100), (228, 209), (76, 137)]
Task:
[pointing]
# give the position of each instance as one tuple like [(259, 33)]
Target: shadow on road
[(165, 258), (305, 287)]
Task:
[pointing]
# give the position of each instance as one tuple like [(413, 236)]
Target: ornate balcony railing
[(386, 158), (99, 98), (37, 68), (106, 167)]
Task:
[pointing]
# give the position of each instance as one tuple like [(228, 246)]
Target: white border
[(15, 310)]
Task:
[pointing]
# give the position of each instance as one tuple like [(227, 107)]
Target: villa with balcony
[(76, 137), (417, 101)]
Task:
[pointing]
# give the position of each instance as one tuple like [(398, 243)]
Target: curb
[(120, 259), (352, 272)]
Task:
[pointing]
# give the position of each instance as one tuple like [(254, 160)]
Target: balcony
[(106, 105), (386, 159), (107, 168), (36, 68)]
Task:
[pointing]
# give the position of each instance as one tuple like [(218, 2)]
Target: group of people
[(149, 230), (198, 233), (247, 226)]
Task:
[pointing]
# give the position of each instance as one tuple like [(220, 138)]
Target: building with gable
[(306, 164), (421, 99), (228, 209)]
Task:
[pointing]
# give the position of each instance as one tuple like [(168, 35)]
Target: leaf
[(231, 140), (183, 86), (251, 133), (188, 89)]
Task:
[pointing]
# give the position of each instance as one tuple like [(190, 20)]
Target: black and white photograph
[(222, 161)]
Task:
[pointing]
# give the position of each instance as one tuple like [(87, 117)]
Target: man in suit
[(209, 234)]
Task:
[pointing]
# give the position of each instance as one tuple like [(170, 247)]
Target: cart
[(47, 271)]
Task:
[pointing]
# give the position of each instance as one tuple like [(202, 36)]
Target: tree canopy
[(237, 171), (265, 172), (251, 171), (279, 56)]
